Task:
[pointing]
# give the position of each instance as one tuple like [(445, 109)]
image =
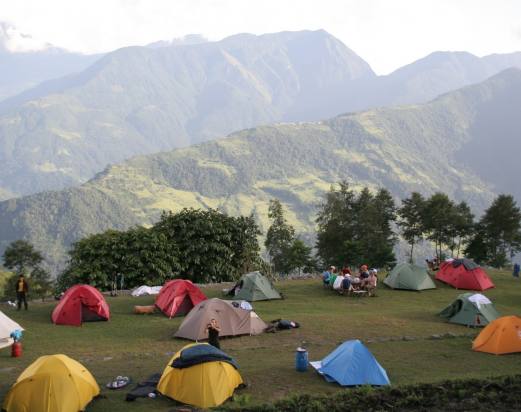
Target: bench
[(360, 293)]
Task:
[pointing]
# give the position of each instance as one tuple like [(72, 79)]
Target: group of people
[(344, 281)]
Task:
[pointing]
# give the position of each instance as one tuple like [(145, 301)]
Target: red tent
[(80, 303), (178, 297), (464, 274)]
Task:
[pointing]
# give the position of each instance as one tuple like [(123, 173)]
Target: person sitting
[(364, 275), (372, 282), (346, 270), (356, 283), (338, 283), (333, 276), (325, 277), (346, 284)]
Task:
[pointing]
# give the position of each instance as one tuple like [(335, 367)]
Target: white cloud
[(15, 41), (386, 33)]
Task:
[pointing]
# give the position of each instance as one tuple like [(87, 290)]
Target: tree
[(245, 244), (41, 283), (300, 257), (210, 246), (20, 255), (438, 215), (463, 226), (280, 237), (498, 233), (411, 220), (140, 255), (477, 247), (335, 226), (356, 229)]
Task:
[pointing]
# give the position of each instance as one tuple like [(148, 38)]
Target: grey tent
[(231, 317), (254, 286), (410, 277), (470, 309)]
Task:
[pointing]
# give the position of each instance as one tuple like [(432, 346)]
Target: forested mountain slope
[(140, 100), (449, 144)]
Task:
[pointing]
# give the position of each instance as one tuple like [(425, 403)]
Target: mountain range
[(21, 70), (462, 143), (141, 100)]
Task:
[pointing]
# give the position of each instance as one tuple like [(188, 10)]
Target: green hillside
[(140, 100), (424, 148)]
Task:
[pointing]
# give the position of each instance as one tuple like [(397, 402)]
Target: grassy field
[(138, 346)]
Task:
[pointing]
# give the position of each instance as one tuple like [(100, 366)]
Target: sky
[(386, 33)]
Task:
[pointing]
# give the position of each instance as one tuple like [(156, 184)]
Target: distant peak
[(189, 39)]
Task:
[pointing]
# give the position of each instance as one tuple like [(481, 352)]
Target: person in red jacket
[(21, 291)]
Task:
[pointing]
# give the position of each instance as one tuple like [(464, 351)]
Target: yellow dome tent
[(202, 385), (53, 383)]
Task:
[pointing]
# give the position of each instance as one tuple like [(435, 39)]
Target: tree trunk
[(459, 246), (412, 250)]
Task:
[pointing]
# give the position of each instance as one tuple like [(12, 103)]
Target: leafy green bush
[(459, 395)]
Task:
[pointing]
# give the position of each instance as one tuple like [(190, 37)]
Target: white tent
[(7, 326), (146, 290)]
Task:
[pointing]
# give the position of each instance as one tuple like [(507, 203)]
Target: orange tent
[(500, 336)]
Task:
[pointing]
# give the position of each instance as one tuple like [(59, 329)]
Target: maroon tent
[(178, 297)]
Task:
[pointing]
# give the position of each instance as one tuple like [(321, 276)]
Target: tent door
[(87, 315), (184, 307)]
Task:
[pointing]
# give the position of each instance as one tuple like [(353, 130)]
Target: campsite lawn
[(138, 346)]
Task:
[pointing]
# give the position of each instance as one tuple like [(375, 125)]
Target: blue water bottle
[(301, 359)]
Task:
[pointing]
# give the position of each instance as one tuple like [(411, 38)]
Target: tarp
[(470, 309), (499, 337), (201, 353), (53, 383), (462, 278), (254, 286), (146, 290), (204, 385), (232, 320), (467, 263), (7, 326), (80, 303), (178, 297), (352, 364), (410, 277)]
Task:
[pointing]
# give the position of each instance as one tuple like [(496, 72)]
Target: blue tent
[(352, 364)]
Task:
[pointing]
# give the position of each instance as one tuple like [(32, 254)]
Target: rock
[(435, 337), (408, 338), (107, 358), (6, 369)]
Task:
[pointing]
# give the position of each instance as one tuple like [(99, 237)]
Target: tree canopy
[(356, 228)]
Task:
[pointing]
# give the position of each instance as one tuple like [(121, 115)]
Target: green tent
[(470, 309), (410, 277), (254, 286)]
